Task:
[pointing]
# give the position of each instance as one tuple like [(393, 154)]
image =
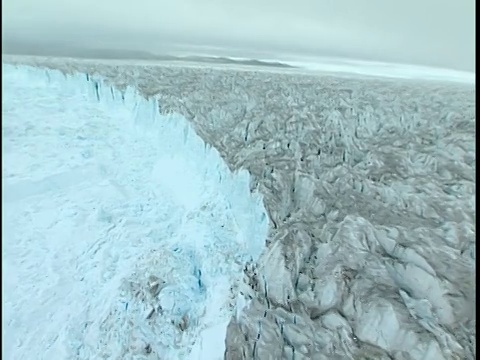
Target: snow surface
[(123, 233)]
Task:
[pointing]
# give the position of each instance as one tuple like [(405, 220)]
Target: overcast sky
[(428, 32)]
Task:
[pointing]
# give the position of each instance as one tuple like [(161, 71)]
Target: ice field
[(123, 232), (358, 213)]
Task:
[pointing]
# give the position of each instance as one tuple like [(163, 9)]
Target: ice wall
[(176, 226)]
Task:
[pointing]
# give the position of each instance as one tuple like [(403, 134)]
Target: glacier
[(124, 233), (369, 186)]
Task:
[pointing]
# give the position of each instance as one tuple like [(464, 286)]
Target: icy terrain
[(123, 232), (369, 186)]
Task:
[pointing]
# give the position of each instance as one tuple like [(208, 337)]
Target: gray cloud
[(429, 32)]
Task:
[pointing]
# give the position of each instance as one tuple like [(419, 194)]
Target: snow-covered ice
[(123, 232)]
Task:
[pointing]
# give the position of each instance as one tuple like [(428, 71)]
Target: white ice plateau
[(123, 232)]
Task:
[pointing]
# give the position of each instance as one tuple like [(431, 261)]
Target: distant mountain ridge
[(55, 50)]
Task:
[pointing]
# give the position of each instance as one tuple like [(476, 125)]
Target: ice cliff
[(124, 233)]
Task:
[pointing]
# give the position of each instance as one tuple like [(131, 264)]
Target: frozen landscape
[(238, 213)]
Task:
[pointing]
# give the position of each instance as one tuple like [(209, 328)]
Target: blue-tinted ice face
[(102, 195)]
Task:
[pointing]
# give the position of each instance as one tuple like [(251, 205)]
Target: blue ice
[(102, 194)]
